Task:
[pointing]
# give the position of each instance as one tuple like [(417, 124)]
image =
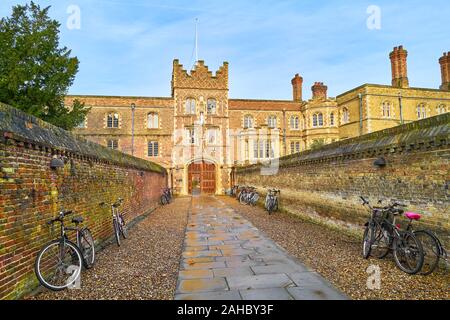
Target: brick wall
[(326, 184), (32, 192)]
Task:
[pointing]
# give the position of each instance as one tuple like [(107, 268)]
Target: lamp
[(56, 163)]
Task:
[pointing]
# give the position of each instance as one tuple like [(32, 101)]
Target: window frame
[(114, 119), (153, 115), (191, 106), (208, 109), (247, 119), (154, 147), (112, 144)]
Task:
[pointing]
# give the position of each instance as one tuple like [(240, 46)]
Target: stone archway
[(202, 177)]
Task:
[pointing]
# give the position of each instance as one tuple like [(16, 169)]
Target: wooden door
[(202, 175)]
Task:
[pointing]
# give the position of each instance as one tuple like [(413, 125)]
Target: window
[(113, 120), (421, 111), (255, 149), (295, 147), (153, 149), (191, 135), (190, 106), (211, 106), (261, 149), (152, 120), (332, 119), (248, 122), (386, 110), (246, 150), (318, 120), (441, 109), (272, 122), (345, 116), (294, 123), (113, 144), (82, 124)]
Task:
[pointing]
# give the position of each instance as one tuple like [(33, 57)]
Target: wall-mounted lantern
[(380, 162), (56, 163)]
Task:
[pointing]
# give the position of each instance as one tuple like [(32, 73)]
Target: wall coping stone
[(16, 124)]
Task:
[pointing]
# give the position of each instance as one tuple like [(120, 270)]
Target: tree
[(35, 73), (318, 143)]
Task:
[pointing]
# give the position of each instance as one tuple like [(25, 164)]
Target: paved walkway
[(226, 258)]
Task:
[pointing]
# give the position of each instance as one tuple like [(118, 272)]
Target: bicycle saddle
[(413, 216), (77, 220)]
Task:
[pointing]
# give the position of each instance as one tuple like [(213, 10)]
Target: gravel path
[(145, 267), (337, 257)]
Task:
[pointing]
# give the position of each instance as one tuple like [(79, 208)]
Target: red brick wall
[(32, 193)]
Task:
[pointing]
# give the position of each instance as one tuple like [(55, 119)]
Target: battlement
[(199, 78)]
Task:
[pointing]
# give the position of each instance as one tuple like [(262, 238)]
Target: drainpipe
[(284, 132), (401, 106), (360, 114), (133, 107)]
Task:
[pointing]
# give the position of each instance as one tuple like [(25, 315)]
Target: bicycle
[(58, 264), (271, 203), (118, 221), (166, 197), (249, 196), (382, 234), (234, 191), (433, 249)]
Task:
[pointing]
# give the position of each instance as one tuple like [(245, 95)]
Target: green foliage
[(35, 73), (318, 143)]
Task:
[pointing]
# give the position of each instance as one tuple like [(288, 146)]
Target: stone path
[(226, 258)]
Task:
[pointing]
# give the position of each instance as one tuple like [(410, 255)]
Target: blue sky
[(127, 47)]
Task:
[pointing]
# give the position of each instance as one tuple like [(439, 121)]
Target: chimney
[(319, 91), (444, 61), (399, 67), (297, 84)]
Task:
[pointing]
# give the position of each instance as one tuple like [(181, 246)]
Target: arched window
[(272, 122), (318, 120), (113, 120), (294, 123), (190, 106), (345, 116), (386, 110), (248, 122), (421, 111), (441, 109), (332, 119), (211, 106), (152, 120)]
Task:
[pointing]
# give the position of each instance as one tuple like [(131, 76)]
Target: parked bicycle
[(119, 225), (58, 265), (166, 197), (249, 196), (383, 235), (234, 190), (271, 203), (433, 250)]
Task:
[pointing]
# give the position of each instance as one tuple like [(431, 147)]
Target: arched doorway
[(202, 177)]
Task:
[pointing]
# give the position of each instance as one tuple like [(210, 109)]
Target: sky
[(126, 48)]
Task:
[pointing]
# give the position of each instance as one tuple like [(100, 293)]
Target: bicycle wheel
[(367, 241), (123, 227), (431, 251), (58, 265), (164, 200), (408, 253), (87, 247), (381, 243), (116, 232)]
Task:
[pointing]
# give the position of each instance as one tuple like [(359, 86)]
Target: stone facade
[(199, 122), (31, 193)]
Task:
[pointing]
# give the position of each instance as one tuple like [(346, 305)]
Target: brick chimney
[(319, 91), (399, 67), (297, 87), (444, 61)]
